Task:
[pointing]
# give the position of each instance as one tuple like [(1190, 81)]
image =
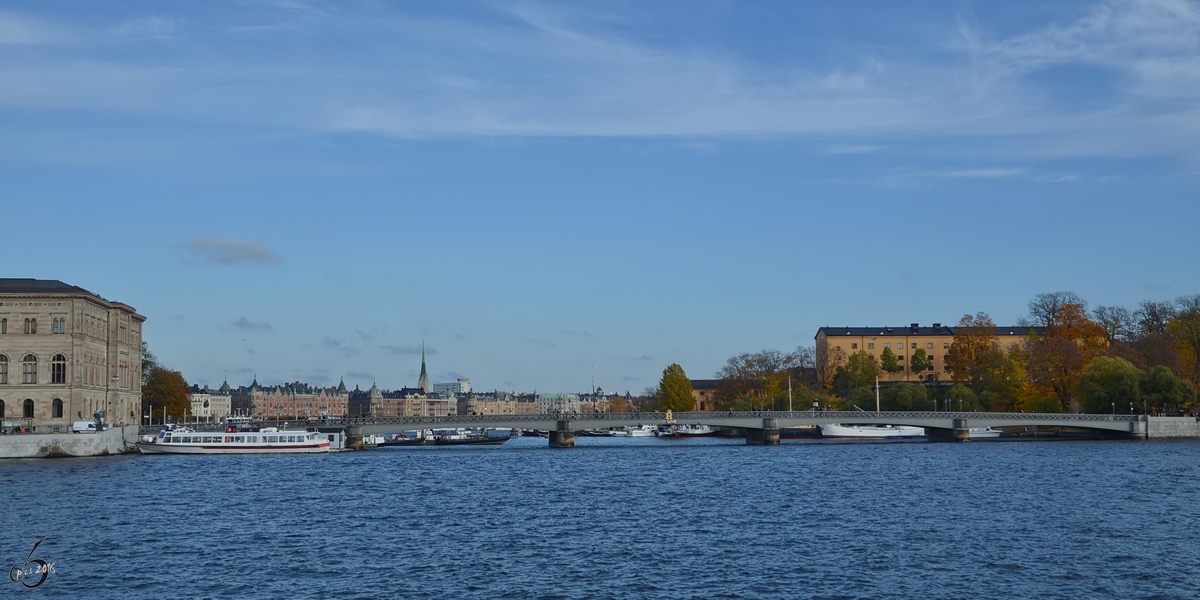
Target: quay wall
[(115, 440), (1173, 427)]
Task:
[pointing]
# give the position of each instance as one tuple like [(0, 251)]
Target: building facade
[(66, 353), (210, 404), (840, 342), (296, 400)]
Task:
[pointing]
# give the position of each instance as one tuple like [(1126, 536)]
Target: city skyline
[(308, 191)]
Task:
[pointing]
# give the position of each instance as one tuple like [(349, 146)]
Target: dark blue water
[(618, 519)]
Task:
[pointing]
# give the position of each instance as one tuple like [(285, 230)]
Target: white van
[(83, 427)]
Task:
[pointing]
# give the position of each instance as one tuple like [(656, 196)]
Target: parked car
[(83, 427)]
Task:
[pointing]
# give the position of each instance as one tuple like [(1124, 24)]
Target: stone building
[(211, 404), (66, 353), (840, 342), (297, 400)]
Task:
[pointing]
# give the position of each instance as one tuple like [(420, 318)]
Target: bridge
[(761, 427)]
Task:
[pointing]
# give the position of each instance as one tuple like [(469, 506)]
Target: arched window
[(56, 408), (1, 409), (3, 325), (3, 369), (29, 369), (30, 326), (28, 409), (58, 369)]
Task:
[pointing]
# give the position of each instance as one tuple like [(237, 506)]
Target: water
[(618, 518)]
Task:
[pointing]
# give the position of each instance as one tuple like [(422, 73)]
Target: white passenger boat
[(835, 430), (984, 432), (268, 440), (641, 431), (688, 431)]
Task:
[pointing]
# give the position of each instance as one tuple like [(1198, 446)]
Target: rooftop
[(39, 286)]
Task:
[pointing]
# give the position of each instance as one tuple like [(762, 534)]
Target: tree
[(964, 397), (1058, 359), (825, 364), (1117, 321), (1044, 308), (1160, 387), (149, 361), (675, 390), (859, 372), (1152, 317), (1184, 329), (920, 361), (617, 404), (888, 362), (1108, 381), (759, 376), (648, 401), (166, 389), (974, 337), (905, 396)]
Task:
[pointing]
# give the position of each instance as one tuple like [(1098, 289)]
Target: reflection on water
[(619, 518)]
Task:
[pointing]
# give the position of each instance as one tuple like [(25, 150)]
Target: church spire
[(423, 382)]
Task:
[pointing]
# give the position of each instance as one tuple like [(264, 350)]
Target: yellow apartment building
[(841, 342)]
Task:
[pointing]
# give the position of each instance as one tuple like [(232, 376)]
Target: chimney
[(915, 326)]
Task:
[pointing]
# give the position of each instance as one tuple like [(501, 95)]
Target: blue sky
[(309, 190)]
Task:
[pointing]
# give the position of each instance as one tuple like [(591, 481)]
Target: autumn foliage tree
[(1059, 358), (167, 389)]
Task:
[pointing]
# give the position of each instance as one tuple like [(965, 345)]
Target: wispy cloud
[(248, 325), (227, 251), (409, 349), (333, 343), (362, 375), (644, 357), (18, 29), (983, 172)]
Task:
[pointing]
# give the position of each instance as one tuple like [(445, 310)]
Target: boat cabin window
[(229, 439), (167, 440)]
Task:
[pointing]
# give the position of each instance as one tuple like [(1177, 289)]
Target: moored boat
[(688, 431), (977, 433), (268, 440), (837, 430)]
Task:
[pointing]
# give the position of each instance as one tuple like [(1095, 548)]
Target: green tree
[(905, 396), (963, 398), (859, 372), (1108, 381), (1162, 388), (888, 362), (675, 390), (166, 389), (920, 361)]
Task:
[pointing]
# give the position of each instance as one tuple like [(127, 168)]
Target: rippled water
[(613, 518)]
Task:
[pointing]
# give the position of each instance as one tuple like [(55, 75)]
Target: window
[(1, 409), (3, 325), (58, 369), (854, 346), (30, 326), (946, 346), (56, 408), (929, 346), (29, 369), (946, 368), (870, 345), (28, 409), (1010, 345), (900, 345), (839, 348), (887, 345), (900, 357), (58, 326), (3, 369)]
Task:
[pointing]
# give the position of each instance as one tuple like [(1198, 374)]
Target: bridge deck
[(744, 419)]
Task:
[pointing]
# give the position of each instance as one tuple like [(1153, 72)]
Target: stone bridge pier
[(563, 435), (960, 433), (768, 435)]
